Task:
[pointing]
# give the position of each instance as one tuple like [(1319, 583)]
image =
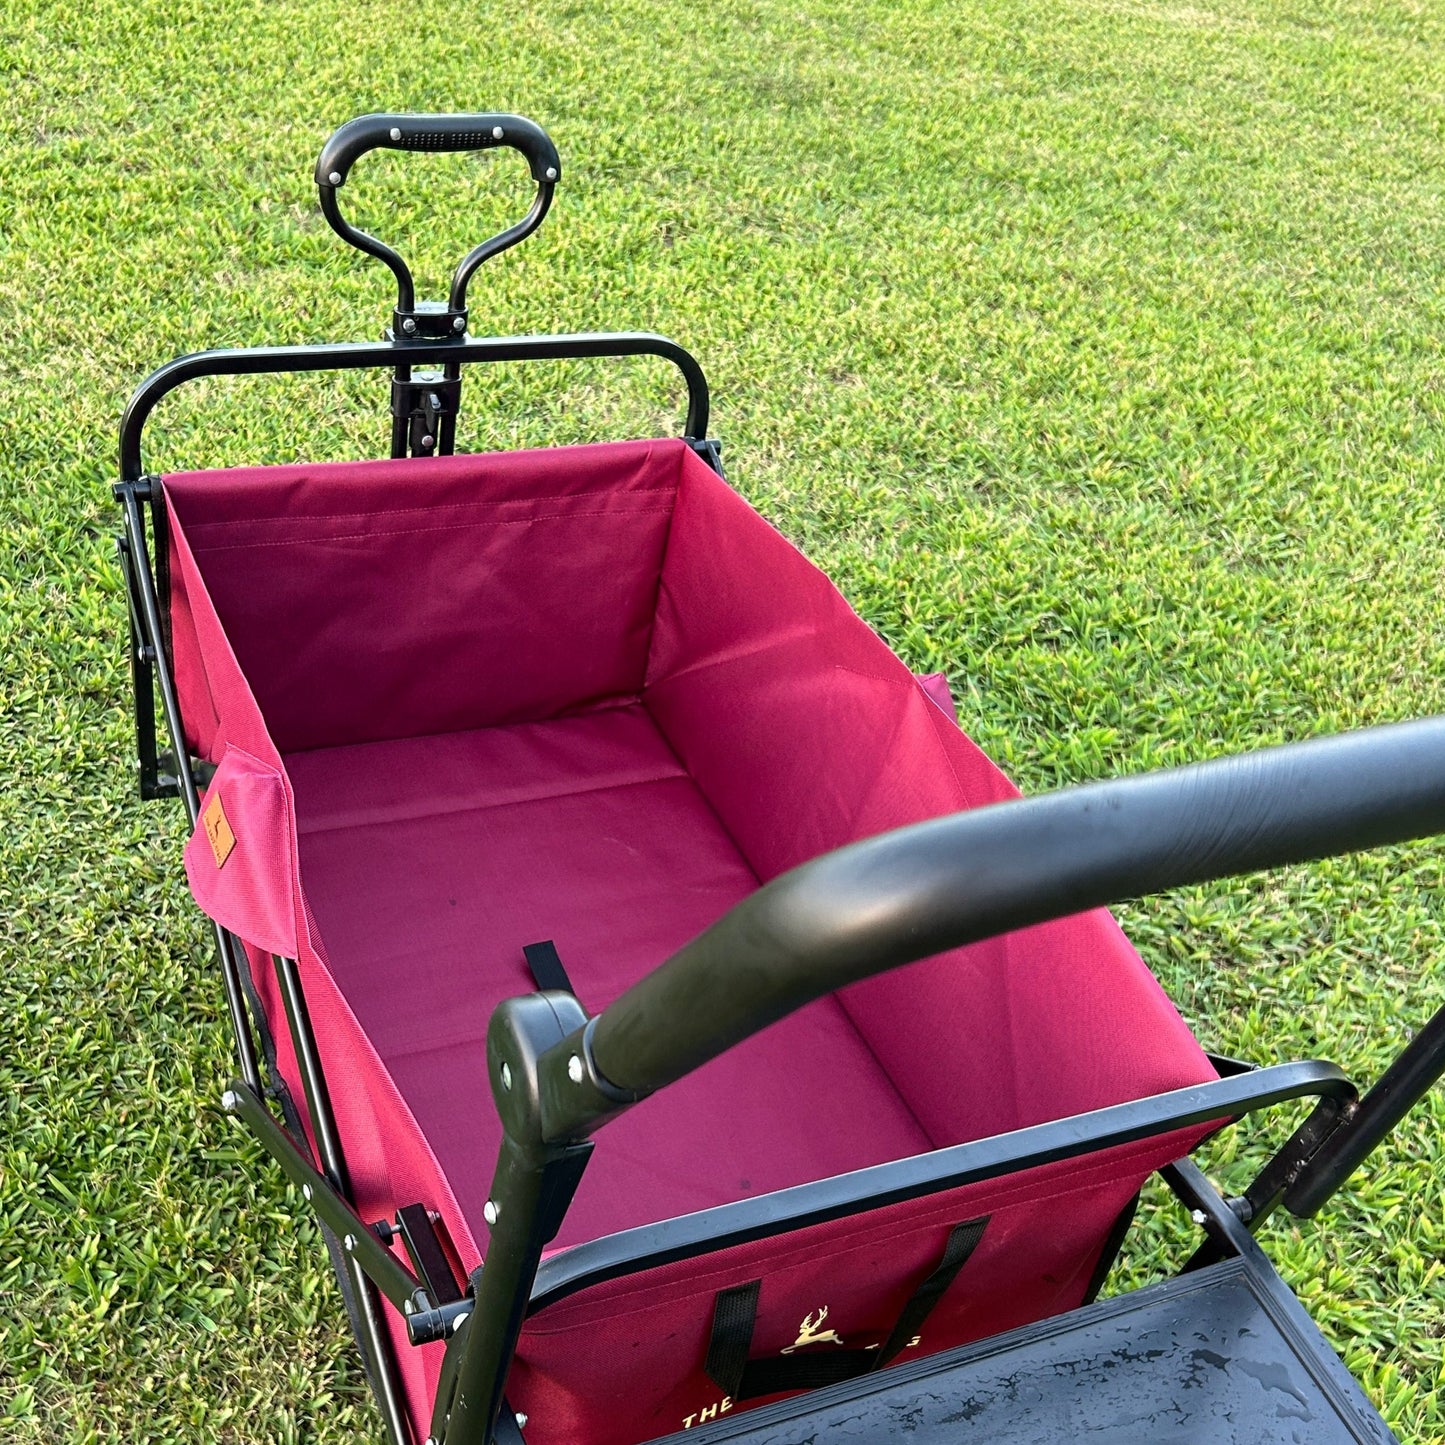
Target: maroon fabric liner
[(587, 694)]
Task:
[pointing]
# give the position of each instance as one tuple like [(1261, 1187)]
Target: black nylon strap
[(546, 965), (962, 1242), (735, 1313)]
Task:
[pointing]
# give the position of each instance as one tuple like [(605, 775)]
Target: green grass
[(1094, 349)]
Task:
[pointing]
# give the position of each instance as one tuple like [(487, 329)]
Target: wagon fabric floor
[(429, 862)]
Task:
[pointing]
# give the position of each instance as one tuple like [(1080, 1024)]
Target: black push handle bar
[(922, 890), (481, 131)]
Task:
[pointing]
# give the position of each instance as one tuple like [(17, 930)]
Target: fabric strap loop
[(735, 1313)]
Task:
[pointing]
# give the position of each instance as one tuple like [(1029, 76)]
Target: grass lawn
[(1095, 349)]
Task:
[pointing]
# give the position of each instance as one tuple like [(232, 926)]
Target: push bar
[(934, 886)]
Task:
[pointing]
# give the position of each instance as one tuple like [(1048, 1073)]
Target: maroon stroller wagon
[(552, 794)]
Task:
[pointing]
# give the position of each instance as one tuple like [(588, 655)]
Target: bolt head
[(396, 132), (496, 132), (574, 1069), (229, 1101), (551, 173), (428, 441), (408, 326), (490, 1212), (350, 1243), (1198, 1216), (521, 1421), (334, 178), (506, 1076), (459, 324)]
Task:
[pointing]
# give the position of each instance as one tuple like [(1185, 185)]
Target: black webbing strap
[(546, 965), (735, 1312)]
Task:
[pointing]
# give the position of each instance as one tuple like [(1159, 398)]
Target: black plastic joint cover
[(474, 132)]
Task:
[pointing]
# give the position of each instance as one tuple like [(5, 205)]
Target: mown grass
[(1095, 350)]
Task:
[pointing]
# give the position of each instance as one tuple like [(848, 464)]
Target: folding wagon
[(676, 1023)]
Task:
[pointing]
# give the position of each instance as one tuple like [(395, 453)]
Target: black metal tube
[(358, 1241), (170, 706), (405, 288), (352, 356), (922, 890), (313, 1078), (1404, 1083), (494, 246)]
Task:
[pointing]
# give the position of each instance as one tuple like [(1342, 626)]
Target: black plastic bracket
[(421, 403), (429, 321)]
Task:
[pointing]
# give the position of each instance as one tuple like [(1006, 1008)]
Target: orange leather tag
[(218, 829)]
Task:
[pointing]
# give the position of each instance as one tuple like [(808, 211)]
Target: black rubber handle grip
[(480, 132), (933, 886)]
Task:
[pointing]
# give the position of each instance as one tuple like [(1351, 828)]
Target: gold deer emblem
[(808, 1333)]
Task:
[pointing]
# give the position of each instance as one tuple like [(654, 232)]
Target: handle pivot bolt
[(334, 178), (551, 173), (396, 132), (408, 326), (496, 132)]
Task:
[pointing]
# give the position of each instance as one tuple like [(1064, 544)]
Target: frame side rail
[(361, 355)]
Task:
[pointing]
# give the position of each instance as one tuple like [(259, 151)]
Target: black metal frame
[(557, 1076)]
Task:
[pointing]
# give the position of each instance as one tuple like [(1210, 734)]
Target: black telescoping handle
[(924, 889), (476, 132)]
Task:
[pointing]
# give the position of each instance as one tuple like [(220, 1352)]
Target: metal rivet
[(551, 173), (396, 132), (521, 1420), (460, 324), (306, 1191), (334, 178), (229, 1101), (428, 441), (496, 132), (490, 1212), (506, 1076), (574, 1069), (350, 1243), (460, 1321), (1199, 1216), (408, 326)]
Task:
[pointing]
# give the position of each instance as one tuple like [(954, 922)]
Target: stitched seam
[(408, 511), (315, 829), (417, 531)]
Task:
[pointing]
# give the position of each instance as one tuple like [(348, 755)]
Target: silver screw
[(350, 1243), (506, 1076), (306, 1191), (408, 326), (574, 1069), (229, 1102), (490, 1211), (551, 173), (428, 441), (396, 132), (521, 1421), (460, 1321), (496, 132), (460, 324), (334, 178), (1199, 1216)]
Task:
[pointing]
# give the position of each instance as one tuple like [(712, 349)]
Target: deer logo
[(808, 1333)]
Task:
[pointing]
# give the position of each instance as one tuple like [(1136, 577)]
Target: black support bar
[(361, 355), (360, 1243)]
